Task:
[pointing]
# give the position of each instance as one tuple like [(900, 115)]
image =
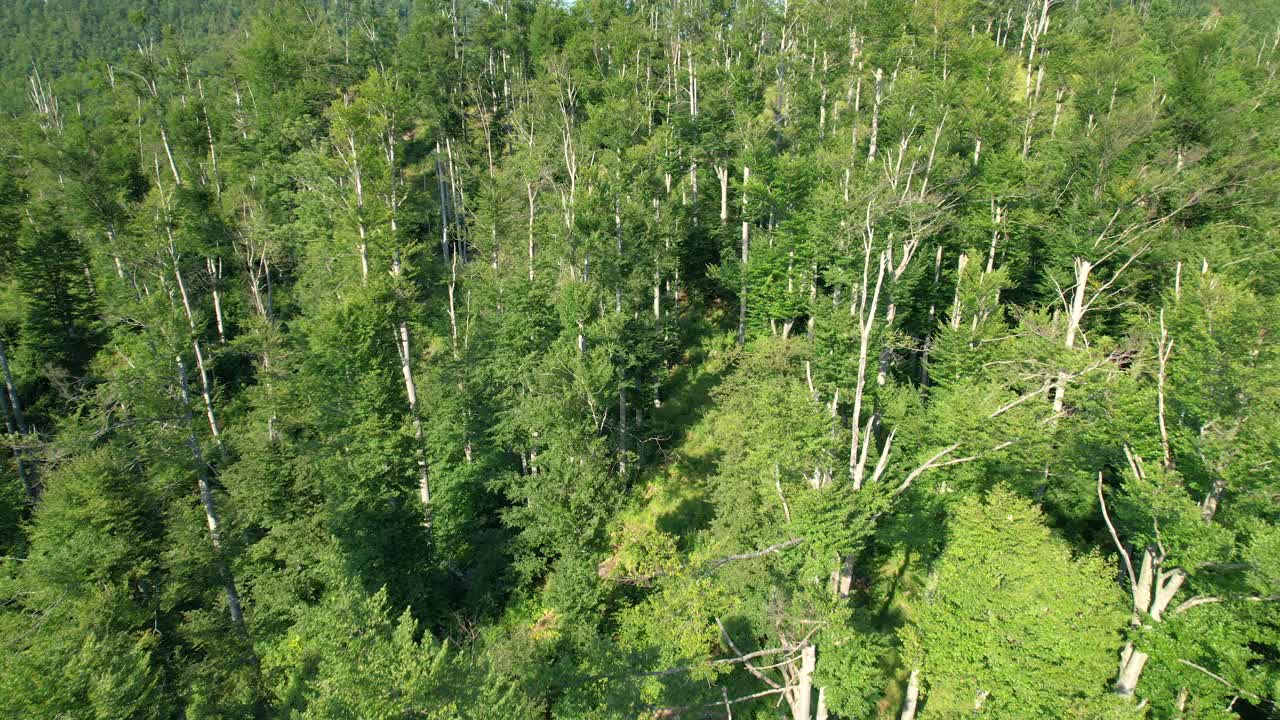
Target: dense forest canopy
[(676, 359)]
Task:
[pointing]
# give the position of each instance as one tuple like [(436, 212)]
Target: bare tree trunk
[(933, 149), (206, 500), (657, 293), (998, 216), (617, 239), (215, 278), (456, 200), (207, 394), (912, 696), (1209, 507), (173, 166), (1037, 30), (1057, 111), (1163, 351), (1131, 663), (1152, 587), (1075, 314), (411, 394), (363, 249), (445, 250), (866, 312), (933, 312), (1078, 306), (746, 254), (177, 274), (802, 698), (875, 118), (9, 402), (27, 487), (622, 433), (723, 174), (896, 272), (532, 196), (12, 389), (213, 155), (956, 309), (821, 712), (350, 157), (453, 310)]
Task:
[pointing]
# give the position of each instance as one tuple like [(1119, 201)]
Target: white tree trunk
[(801, 699), (1075, 315), (411, 394), (875, 118), (168, 151), (206, 393), (866, 310), (821, 712), (207, 502), (177, 274), (1131, 663), (912, 696), (532, 197), (215, 277), (1163, 350), (746, 255), (723, 174), (10, 402)]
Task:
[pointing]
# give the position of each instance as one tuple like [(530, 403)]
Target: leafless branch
[(1128, 561), (1219, 678)]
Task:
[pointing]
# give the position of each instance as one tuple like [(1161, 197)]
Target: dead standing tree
[(1116, 248), (1153, 588), (204, 482), (11, 403)]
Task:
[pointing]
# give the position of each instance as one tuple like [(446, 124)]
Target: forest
[(640, 359)]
